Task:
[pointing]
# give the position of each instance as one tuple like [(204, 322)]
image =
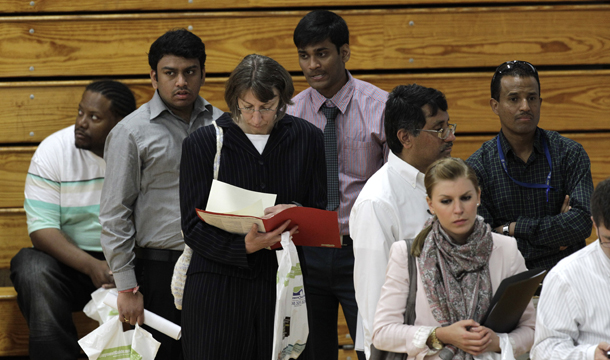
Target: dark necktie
[(332, 159)]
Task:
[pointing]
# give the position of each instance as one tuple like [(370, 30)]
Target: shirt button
[(262, 185), (261, 162)]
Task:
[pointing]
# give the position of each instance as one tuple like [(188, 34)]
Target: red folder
[(316, 227)]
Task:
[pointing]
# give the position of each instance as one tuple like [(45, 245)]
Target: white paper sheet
[(228, 199)]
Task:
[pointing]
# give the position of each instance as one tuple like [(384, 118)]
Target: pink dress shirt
[(362, 147)]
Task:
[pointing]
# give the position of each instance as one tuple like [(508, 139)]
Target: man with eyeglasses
[(350, 113), (573, 313), (392, 205), (535, 184)]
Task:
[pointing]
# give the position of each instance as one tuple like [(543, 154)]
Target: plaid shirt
[(540, 228)]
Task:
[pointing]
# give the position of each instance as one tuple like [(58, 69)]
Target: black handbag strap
[(410, 310), (377, 354)]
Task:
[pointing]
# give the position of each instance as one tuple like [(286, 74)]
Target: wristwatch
[(433, 342), (506, 229)]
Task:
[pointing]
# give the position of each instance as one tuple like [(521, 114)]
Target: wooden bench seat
[(14, 330), (380, 39), (573, 101)]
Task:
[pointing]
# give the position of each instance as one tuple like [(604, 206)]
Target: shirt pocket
[(361, 159)]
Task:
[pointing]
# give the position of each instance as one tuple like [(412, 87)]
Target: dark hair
[(600, 204), (515, 68), (178, 42), (318, 26), (403, 110), (440, 170), (122, 101), (261, 74)]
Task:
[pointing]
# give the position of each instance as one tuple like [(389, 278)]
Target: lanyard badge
[(547, 154)]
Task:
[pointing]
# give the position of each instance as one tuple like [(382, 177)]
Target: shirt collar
[(341, 98), (506, 148), (157, 106), (409, 173)]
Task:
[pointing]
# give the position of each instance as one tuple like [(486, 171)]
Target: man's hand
[(459, 334), (601, 351), (256, 241), (100, 274), (131, 307), (273, 210)]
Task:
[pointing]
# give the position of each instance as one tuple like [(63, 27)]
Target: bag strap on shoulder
[(410, 310), (219, 139)]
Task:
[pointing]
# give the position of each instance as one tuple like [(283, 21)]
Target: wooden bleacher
[(50, 50)]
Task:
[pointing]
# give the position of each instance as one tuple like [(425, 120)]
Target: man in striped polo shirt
[(62, 203), (355, 149)]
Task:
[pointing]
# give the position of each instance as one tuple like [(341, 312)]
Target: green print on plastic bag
[(294, 271), (120, 352)]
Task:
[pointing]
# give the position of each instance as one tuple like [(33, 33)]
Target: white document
[(229, 199)]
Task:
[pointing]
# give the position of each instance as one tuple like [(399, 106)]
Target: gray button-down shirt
[(140, 199)]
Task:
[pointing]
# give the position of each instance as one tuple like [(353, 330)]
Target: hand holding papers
[(235, 210), (151, 319)]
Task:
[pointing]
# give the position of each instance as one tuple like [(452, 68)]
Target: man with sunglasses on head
[(535, 184), (573, 313), (392, 205)]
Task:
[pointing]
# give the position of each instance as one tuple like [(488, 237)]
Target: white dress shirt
[(574, 307), (391, 207)]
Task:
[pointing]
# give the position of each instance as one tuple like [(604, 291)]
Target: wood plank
[(344, 337), (13, 235), (347, 354), (14, 164), (31, 111), (14, 330), (41, 6), (71, 45)]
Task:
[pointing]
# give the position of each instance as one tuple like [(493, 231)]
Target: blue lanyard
[(546, 186)]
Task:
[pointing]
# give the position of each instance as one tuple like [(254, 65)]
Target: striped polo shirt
[(63, 188)]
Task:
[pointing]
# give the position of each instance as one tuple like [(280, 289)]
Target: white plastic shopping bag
[(290, 325), (96, 309), (109, 342)]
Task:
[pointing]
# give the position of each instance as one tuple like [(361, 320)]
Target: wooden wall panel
[(573, 101), (14, 235), (71, 45), (14, 164), (19, 6)]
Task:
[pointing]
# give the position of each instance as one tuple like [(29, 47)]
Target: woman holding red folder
[(229, 295), (460, 264)]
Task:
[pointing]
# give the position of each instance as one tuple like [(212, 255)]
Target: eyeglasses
[(511, 65), (251, 111), (443, 133)]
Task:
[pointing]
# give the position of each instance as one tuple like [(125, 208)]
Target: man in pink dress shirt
[(355, 149)]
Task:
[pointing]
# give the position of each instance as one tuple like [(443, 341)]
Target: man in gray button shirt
[(140, 206)]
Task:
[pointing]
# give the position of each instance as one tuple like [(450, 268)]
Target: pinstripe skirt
[(226, 317)]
